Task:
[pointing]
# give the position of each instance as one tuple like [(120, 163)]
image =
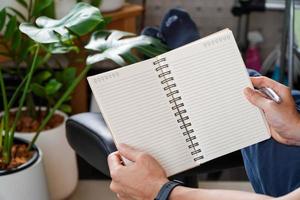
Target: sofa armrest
[(89, 136)]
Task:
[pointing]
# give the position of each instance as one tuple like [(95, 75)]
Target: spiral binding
[(177, 106)]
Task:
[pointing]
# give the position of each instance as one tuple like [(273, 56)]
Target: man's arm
[(143, 179), (180, 193), (291, 196)]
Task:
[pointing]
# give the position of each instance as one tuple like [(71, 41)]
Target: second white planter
[(111, 5), (59, 160), (27, 181), (62, 7)]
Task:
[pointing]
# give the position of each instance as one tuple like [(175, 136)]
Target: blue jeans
[(273, 168)]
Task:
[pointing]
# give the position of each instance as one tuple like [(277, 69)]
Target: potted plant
[(59, 158), (18, 162), (51, 88), (48, 37)]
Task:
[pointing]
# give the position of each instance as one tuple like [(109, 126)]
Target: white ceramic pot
[(26, 182), (62, 7), (59, 160), (111, 5)]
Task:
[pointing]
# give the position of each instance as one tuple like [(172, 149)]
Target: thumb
[(128, 152), (256, 99)]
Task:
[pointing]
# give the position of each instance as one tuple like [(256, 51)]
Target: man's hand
[(140, 180), (283, 118)]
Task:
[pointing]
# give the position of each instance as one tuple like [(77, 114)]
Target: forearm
[(180, 193)]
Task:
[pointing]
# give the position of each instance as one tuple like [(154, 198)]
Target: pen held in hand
[(269, 92)]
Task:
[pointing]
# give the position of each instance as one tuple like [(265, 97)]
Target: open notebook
[(184, 107)]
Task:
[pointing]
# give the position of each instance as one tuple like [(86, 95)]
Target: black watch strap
[(166, 190)]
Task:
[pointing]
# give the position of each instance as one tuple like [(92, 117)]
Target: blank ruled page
[(137, 112), (211, 76)]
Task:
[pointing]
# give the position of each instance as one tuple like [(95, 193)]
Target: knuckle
[(113, 187), (115, 174), (110, 156), (120, 197), (263, 79), (287, 89)]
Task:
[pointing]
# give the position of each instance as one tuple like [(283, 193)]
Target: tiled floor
[(99, 190)]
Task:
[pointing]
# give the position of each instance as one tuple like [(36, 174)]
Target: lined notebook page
[(137, 112), (211, 76)]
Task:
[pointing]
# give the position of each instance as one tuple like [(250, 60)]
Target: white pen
[(271, 94)]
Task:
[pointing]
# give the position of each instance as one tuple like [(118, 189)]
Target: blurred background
[(260, 28)]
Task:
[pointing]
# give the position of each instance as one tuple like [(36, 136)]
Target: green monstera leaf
[(82, 19), (60, 48), (117, 45)]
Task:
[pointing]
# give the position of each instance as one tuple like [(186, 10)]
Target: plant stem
[(4, 96), (6, 156), (29, 11), (6, 150), (59, 103), (23, 97), (30, 105), (1, 134), (45, 58), (15, 95)]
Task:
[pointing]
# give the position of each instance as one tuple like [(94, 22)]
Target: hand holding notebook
[(184, 107)]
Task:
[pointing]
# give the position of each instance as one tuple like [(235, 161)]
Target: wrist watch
[(166, 189)]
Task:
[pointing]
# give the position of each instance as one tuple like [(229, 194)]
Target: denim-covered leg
[(273, 168)]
